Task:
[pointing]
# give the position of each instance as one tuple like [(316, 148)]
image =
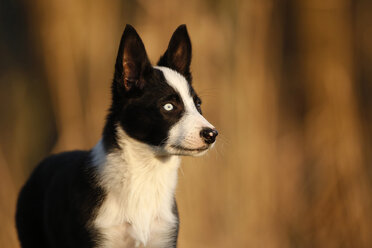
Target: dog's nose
[(209, 135)]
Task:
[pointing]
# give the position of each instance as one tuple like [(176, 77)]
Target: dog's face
[(157, 105)]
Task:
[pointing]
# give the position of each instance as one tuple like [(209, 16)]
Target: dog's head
[(157, 105)]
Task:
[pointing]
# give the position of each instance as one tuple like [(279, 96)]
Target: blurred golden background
[(287, 83)]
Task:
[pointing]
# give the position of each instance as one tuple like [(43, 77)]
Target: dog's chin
[(186, 151)]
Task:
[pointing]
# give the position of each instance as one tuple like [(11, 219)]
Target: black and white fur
[(121, 193)]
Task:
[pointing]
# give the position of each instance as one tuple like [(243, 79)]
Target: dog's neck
[(138, 181)]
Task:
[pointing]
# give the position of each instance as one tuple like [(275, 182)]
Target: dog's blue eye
[(168, 107)]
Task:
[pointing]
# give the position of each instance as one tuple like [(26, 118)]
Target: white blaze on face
[(186, 132)]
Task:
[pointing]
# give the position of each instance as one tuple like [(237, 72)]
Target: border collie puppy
[(121, 193)]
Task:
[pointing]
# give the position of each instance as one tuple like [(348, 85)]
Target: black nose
[(209, 135)]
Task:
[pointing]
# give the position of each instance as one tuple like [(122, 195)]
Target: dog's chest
[(137, 209), (121, 228)]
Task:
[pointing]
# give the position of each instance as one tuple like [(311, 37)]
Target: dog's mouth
[(182, 148)]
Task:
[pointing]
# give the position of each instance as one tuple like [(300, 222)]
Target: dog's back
[(56, 203)]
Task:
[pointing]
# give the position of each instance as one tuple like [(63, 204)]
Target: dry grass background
[(287, 83)]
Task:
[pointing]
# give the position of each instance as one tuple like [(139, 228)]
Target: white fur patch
[(186, 133), (140, 188)]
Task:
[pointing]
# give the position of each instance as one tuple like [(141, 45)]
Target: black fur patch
[(58, 202), (144, 117)]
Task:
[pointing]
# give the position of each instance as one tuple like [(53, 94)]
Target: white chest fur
[(140, 198)]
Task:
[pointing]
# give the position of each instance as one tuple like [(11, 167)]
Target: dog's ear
[(132, 62), (178, 54)]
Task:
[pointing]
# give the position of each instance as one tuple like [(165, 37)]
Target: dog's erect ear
[(132, 61), (178, 54)]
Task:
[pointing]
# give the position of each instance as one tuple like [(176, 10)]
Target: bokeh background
[(287, 83)]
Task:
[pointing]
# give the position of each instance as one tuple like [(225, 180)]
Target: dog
[(121, 192)]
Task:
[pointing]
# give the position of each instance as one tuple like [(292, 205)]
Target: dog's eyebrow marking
[(180, 85)]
